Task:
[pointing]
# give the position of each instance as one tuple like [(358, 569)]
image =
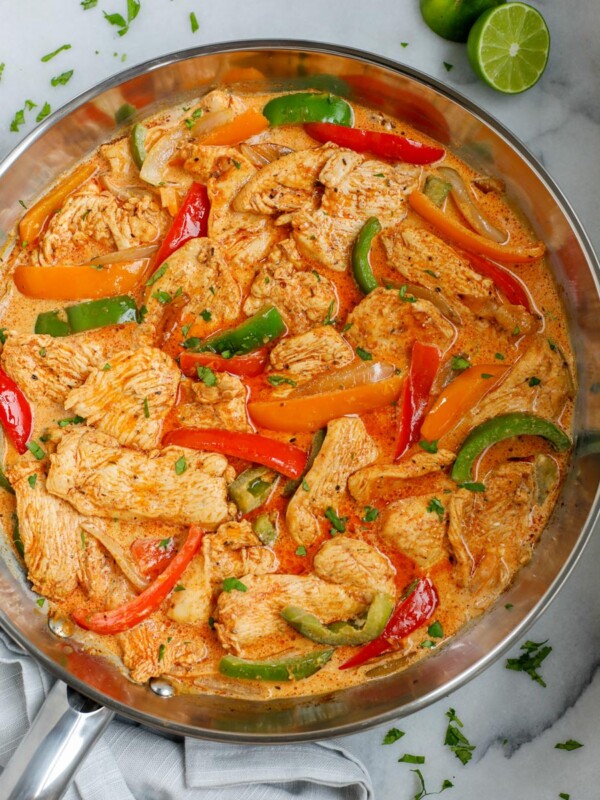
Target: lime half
[(508, 47)]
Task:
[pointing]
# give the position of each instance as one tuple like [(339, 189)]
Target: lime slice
[(508, 47)]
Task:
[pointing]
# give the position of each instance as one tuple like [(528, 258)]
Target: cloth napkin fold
[(132, 763)]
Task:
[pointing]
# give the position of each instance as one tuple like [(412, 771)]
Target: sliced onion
[(124, 193), (468, 209), (159, 156), (435, 298), (486, 183), (346, 378), (130, 254), (211, 120), (120, 555), (264, 152)]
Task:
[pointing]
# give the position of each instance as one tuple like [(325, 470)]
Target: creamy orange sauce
[(19, 314)]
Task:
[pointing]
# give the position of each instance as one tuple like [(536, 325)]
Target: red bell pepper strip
[(384, 145), (425, 362), (249, 365), (15, 413), (411, 612), (152, 556), (510, 286), (280, 456), (147, 602), (190, 223)]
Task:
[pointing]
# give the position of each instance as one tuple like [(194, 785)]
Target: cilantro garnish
[(459, 363), (472, 486), (407, 758), (206, 315), (370, 515), (392, 736), (164, 298), (570, 744), (46, 110), (531, 660), (364, 354), (180, 465), (36, 450), (301, 550), (56, 52), (31, 480), (194, 22), (423, 790), (229, 584), (2, 65), (429, 447), (448, 66), (161, 652), (436, 507), (329, 320), (133, 9), (406, 298), (87, 4), (164, 543), (277, 380), (533, 381), (146, 409), (435, 630), (206, 375), (339, 523), (62, 423), (456, 740), (157, 275), (62, 79)]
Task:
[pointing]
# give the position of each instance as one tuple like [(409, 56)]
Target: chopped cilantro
[(206, 315), (2, 66), (133, 9), (403, 44), (427, 643), (164, 298), (180, 465), (407, 758), (429, 447), (370, 514), (157, 275), (233, 583), (62, 423), (82, 534), (62, 79), (36, 450), (56, 52), (206, 375), (516, 330), (564, 796), (472, 486), (316, 274), (423, 789), (45, 111), (186, 329), (21, 203), (277, 380), (432, 273), (3, 336), (339, 523), (31, 480), (193, 22), (456, 740), (533, 381), (406, 298), (179, 588), (499, 356), (551, 344), (508, 606), (18, 120), (164, 543), (106, 367), (141, 314), (161, 652), (486, 375), (301, 550), (40, 601), (192, 343), (392, 736), (146, 409), (459, 363), (378, 175), (43, 352), (211, 289), (570, 744), (329, 319), (530, 660), (366, 356), (305, 486), (435, 630), (347, 327), (435, 507), (448, 66), (87, 4), (211, 623), (29, 104), (236, 164)]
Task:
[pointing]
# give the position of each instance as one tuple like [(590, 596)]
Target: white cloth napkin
[(131, 763)]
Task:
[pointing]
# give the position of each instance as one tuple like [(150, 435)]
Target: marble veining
[(514, 723)]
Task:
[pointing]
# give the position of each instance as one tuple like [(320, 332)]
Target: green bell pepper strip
[(49, 323), (100, 313), (296, 109), (345, 633), (284, 669), (137, 143), (265, 530), (496, 430), (251, 488), (253, 333), (315, 446), (5, 483), (361, 266), (437, 190)]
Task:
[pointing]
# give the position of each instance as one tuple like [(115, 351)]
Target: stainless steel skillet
[(74, 717)]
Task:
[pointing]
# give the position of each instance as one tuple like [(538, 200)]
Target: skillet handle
[(65, 729)]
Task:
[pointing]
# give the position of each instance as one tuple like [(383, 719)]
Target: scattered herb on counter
[(277, 380), (180, 465), (564, 796), (48, 56), (403, 44), (448, 66), (407, 758), (194, 22), (392, 736), (62, 79), (87, 4), (2, 66), (456, 740), (46, 111), (133, 9), (18, 120), (570, 744), (229, 584), (423, 789), (339, 523), (530, 660)]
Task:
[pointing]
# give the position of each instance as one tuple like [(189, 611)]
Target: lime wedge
[(508, 47)]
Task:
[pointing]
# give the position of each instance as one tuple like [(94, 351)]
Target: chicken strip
[(326, 239), (302, 357), (197, 282), (303, 297), (372, 482), (131, 399), (93, 222), (220, 406), (347, 448), (246, 237), (417, 526), (50, 530), (386, 325), (48, 368), (355, 565), (234, 550), (98, 477)]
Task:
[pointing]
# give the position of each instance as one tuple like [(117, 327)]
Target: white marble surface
[(560, 121)]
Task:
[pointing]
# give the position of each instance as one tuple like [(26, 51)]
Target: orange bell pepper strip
[(238, 130), (32, 223), (469, 240), (305, 414), (79, 283), (147, 602), (458, 398)]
